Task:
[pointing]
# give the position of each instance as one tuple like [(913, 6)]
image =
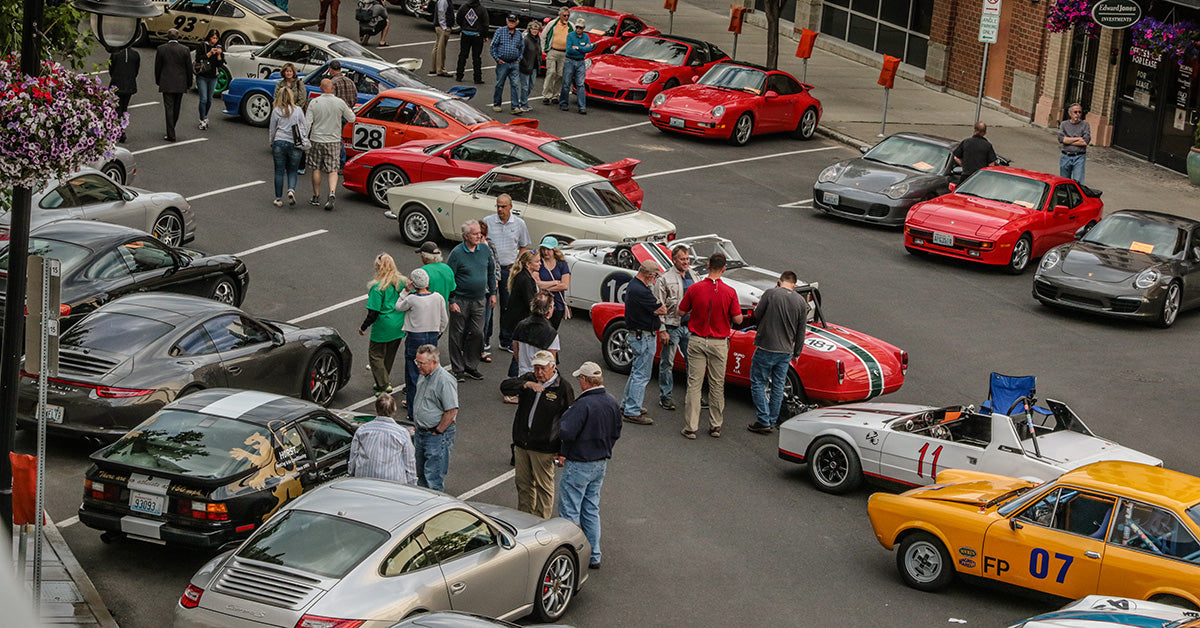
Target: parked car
[(1096, 611), (240, 22), (608, 29), (458, 619), (398, 116), (306, 50), (121, 167), (498, 10), (647, 65)]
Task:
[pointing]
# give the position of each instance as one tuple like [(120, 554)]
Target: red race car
[(1002, 216), (838, 365), (374, 172), (737, 100), (645, 66)]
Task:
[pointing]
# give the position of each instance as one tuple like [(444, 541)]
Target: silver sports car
[(367, 553), (121, 167)]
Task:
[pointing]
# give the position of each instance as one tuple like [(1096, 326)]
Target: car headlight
[(830, 174), (896, 190), (1050, 260), (659, 100), (649, 77), (718, 111), (1146, 278)]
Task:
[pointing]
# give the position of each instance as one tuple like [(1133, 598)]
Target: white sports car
[(307, 50), (908, 444), (1096, 611)]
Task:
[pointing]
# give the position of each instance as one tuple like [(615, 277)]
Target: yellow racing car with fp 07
[(1109, 528)]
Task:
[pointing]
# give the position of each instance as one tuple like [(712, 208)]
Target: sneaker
[(638, 420), (595, 565), (715, 432), (545, 101), (431, 73), (314, 201), (291, 197), (478, 81), (445, 74), (562, 108), (505, 349), (516, 111), (487, 346), (459, 376), (760, 429), (666, 404), (388, 390), (329, 203), (277, 203), (583, 112), (473, 374), (511, 399), (704, 402), (688, 434), (497, 108)]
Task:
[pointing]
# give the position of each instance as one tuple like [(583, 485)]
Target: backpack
[(363, 12)]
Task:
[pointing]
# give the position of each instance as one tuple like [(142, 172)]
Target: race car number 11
[(367, 137)]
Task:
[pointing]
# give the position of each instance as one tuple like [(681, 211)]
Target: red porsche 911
[(736, 100), (645, 66), (609, 29), (1002, 216), (375, 172)]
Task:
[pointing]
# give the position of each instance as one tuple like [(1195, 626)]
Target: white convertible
[(307, 50), (909, 444)]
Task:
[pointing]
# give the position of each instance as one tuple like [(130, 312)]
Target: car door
[(99, 198), (1055, 544), (192, 18), (1062, 224), (471, 158), (411, 570), (485, 573), (1149, 546), (329, 443), (483, 202), (375, 126), (775, 113), (196, 351), (251, 358)]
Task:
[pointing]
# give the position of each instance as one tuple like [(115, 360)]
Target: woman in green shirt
[(387, 325)]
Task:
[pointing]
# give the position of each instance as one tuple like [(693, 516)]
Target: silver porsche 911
[(365, 553)]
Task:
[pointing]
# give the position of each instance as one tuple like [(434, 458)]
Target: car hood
[(1071, 450), (874, 415), (702, 98), (965, 215), (750, 282), (969, 487), (620, 68), (639, 225), (1102, 263), (873, 176)]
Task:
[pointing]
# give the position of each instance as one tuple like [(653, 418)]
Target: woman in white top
[(289, 139), (426, 320)]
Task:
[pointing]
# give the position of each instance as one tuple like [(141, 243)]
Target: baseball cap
[(430, 247), (650, 266), (549, 242), (511, 17), (588, 369), (543, 358), (420, 278), (579, 23)]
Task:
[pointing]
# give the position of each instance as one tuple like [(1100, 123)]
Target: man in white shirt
[(511, 237), (326, 115)]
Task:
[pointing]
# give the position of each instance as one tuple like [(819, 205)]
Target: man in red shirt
[(713, 308)]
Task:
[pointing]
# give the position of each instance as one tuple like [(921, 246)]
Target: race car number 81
[(367, 137)]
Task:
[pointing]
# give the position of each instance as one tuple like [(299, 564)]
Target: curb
[(838, 136), (78, 575)]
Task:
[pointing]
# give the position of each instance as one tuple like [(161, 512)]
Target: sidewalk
[(852, 105), (68, 596)]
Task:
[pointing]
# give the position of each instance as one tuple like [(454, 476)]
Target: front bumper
[(1081, 294), (701, 128), (621, 93), (860, 205), (970, 249), (159, 531)]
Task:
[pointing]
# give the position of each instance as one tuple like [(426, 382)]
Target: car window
[(666, 51), (69, 255), (351, 49), (290, 447), (456, 533), (110, 265), (115, 332), (226, 9), (409, 556), (546, 195), (194, 6), (783, 85), (384, 109), (192, 444), (630, 25), (325, 436), (89, 189), (146, 255), (363, 83), (322, 544), (461, 111), (57, 198), (1155, 530), (288, 50), (907, 152), (513, 185), (234, 331), (1138, 233), (316, 55), (1006, 188), (1071, 510), (260, 7), (601, 199), (196, 342), (484, 150), (1062, 196), (315, 77), (570, 154), (1076, 196)]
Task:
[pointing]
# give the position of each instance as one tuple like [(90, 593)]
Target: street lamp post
[(115, 24)]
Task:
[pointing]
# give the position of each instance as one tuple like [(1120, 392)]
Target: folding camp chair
[(1004, 390)]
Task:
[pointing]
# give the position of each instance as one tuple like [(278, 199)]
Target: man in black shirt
[(975, 152), (641, 322)]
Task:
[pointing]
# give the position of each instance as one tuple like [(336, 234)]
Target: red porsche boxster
[(838, 365), (645, 66), (737, 100), (1002, 216), (374, 172)]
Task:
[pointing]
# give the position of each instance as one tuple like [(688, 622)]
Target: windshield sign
[(193, 444)]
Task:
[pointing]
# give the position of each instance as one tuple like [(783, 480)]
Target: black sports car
[(101, 262), (525, 10), (207, 469), (1131, 264), (129, 358)]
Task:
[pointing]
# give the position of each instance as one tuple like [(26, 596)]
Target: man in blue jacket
[(578, 45), (588, 429), (507, 48)]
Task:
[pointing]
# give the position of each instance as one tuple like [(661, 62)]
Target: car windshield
[(906, 152), (192, 444), (655, 49), (352, 49), (1194, 514), (600, 199), (1010, 505), (461, 111), (321, 544), (259, 7), (399, 77), (569, 154), (703, 248), (1138, 233), (738, 77), (1006, 188), (594, 23), (68, 255), (114, 332)]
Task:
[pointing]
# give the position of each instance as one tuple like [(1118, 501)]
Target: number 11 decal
[(932, 463)]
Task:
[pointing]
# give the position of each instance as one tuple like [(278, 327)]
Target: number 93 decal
[(185, 24)]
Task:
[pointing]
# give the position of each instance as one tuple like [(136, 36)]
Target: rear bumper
[(160, 531), (87, 415)]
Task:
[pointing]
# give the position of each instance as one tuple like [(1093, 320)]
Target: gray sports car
[(129, 358), (364, 552), (1132, 264), (121, 167)]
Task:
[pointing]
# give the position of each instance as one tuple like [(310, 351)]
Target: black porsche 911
[(1132, 264), (102, 261), (207, 469)]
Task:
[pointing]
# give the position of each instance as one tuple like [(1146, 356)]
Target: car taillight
[(841, 371), (112, 392), (903, 361), (98, 490), (63, 309), (201, 510), (671, 236), (313, 621), (191, 596)]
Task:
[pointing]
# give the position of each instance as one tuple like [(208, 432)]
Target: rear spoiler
[(526, 122), (462, 91), (288, 23), (617, 170)]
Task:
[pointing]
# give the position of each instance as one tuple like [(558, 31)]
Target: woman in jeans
[(287, 124), (291, 81), (212, 56)]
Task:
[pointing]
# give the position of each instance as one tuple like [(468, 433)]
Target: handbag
[(297, 138), (202, 66)]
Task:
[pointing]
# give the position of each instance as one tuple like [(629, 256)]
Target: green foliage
[(64, 35)]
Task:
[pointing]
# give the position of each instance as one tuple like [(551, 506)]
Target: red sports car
[(374, 172), (737, 100), (1002, 216), (645, 66), (609, 29), (838, 365)]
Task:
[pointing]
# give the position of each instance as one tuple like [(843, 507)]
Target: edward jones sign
[(1116, 14)]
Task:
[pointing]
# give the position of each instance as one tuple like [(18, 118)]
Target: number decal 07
[(367, 137), (932, 463), (1039, 564)]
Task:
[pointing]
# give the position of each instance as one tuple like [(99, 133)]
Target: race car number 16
[(367, 137)]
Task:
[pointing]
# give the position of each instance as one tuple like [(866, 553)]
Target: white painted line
[(279, 242), (329, 309), (734, 161), (98, 72), (68, 522), (144, 104), (224, 190), (615, 128), (171, 145), (415, 43), (488, 67), (354, 406), (796, 204), (494, 482)]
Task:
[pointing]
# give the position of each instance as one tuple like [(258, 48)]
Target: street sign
[(45, 276), (989, 22), (1116, 14)]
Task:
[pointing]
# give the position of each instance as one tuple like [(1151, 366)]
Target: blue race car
[(252, 98)]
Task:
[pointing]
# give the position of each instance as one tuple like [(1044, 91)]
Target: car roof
[(1155, 485), (173, 309), (373, 64), (260, 408), (750, 65), (1170, 219), (88, 233), (431, 95), (328, 38), (380, 503), (503, 131), (562, 174), (923, 137)]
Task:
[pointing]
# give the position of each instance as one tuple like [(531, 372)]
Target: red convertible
[(375, 172), (1002, 216), (609, 29), (838, 365), (645, 66)]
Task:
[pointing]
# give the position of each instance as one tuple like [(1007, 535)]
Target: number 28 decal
[(367, 137)]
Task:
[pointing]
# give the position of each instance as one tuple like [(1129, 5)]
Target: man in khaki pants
[(712, 306), (554, 43), (543, 397), (442, 16)]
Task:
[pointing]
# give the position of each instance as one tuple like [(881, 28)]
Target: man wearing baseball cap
[(642, 310), (427, 318), (543, 396), (508, 45), (589, 429), (578, 45), (441, 276)]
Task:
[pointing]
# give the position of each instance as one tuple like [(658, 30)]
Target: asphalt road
[(696, 533)]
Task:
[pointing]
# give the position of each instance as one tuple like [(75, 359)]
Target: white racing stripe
[(237, 404), (734, 161), (170, 145), (615, 128), (492, 483), (224, 190), (336, 306), (280, 242)]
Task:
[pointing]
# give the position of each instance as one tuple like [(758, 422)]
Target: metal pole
[(982, 77), (883, 124), (805, 79), (734, 55), (671, 23), (43, 376)]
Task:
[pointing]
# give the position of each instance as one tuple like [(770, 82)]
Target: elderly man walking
[(326, 115), (382, 448), (782, 318), (642, 310), (711, 306), (475, 279), (511, 237), (435, 410), (542, 396), (669, 291)]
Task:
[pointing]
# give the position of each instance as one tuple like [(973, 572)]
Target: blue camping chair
[(1004, 390)]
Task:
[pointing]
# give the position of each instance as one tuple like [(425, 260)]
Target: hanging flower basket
[(1175, 40), (52, 125), (1067, 14)]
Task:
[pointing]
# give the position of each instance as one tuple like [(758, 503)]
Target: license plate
[(146, 503), (53, 414), (677, 122), (944, 239), (831, 199)]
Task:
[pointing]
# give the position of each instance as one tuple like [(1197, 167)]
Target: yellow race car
[(240, 22), (1109, 528)]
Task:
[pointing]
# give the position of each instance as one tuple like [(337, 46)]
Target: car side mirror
[(128, 195), (957, 170), (277, 339), (864, 149), (1013, 524), (1061, 209), (695, 78), (953, 186), (1082, 231), (772, 94), (696, 63)]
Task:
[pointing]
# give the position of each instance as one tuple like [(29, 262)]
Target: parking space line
[(615, 128), (170, 145), (283, 241), (358, 404), (143, 104), (336, 306), (415, 43), (734, 161), (797, 204), (224, 190), (492, 483), (69, 521)]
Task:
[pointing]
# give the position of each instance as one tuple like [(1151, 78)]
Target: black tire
[(924, 563), (168, 227), (412, 7), (794, 397), (1022, 254), (383, 179), (115, 171), (1169, 311), (833, 465), (256, 108), (225, 290), (807, 126), (416, 225), (615, 347), (323, 377), (1175, 600), (670, 83), (234, 38), (555, 586), (742, 130)]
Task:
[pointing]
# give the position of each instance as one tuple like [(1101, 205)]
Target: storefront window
[(899, 28)]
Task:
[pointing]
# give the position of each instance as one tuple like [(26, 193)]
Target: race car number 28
[(367, 137)]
